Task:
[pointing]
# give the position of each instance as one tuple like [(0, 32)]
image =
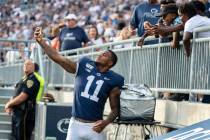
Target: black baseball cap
[(167, 9)]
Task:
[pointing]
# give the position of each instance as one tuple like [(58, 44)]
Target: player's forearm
[(112, 116), (114, 100), (68, 65), (52, 53)]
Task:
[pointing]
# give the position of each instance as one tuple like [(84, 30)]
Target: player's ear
[(110, 63)]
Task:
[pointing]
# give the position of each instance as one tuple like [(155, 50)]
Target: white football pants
[(83, 131)]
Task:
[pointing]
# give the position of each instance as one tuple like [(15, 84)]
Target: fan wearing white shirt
[(189, 16)]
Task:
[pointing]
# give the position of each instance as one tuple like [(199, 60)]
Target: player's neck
[(102, 68)]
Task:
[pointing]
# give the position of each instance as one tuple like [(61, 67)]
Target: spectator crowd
[(18, 22)]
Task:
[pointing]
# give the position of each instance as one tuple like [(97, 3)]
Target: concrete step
[(4, 99), (4, 117), (7, 91), (2, 108), (5, 125), (5, 134)]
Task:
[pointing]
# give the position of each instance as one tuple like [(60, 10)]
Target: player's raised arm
[(67, 64)]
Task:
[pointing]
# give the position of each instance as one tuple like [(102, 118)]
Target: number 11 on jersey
[(99, 84)]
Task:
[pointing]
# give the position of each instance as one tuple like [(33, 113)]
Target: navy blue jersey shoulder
[(92, 88)]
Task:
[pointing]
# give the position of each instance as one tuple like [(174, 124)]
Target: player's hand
[(38, 34), (99, 126)]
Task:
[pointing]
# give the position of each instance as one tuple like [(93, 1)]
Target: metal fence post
[(158, 70), (131, 66), (192, 96)]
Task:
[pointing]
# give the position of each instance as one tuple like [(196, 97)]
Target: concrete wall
[(181, 113)]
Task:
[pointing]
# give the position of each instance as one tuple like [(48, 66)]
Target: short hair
[(113, 57), (121, 25), (199, 6), (187, 9), (36, 67), (167, 1)]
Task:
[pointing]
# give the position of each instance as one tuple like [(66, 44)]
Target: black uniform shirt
[(29, 85)]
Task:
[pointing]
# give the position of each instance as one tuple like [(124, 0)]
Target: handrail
[(200, 29), (15, 40)]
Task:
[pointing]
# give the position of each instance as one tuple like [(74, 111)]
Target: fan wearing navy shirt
[(72, 36), (145, 11), (94, 83)]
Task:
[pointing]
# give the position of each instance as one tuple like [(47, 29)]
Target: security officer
[(22, 105)]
